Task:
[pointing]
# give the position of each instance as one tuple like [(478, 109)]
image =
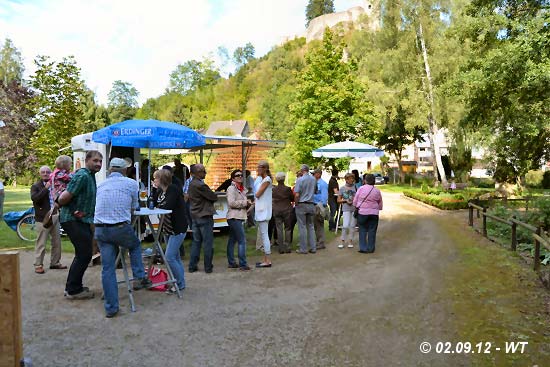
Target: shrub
[(534, 178), (486, 183), (440, 200)]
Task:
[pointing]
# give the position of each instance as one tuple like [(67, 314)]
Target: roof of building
[(238, 127)]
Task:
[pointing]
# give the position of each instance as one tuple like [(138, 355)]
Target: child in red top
[(61, 175)]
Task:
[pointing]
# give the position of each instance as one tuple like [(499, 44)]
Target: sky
[(140, 41)]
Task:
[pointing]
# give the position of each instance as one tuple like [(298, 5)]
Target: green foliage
[(330, 105), (396, 135), (16, 112), (243, 55), (11, 63), (460, 153), (316, 8), (58, 105), (193, 75), (122, 101), (439, 200), (534, 178), (541, 213), (505, 82)]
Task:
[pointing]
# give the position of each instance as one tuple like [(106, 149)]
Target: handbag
[(158, 276), (356, 211), (48, 218)]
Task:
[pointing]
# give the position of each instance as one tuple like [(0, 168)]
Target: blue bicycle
[(23, 223)]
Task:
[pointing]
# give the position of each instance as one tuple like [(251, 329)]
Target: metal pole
[(471, 216)]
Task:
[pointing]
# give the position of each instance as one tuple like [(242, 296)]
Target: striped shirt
[(83, 188), (117, 196)]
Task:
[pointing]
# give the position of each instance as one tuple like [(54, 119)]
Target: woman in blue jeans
[(170, 197), (237, 203), (368, 200)]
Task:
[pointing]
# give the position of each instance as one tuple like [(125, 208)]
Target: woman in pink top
[(369, 202)]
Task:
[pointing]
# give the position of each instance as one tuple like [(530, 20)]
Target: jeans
[(368, 224), (81, 237), (203, 234), (236, 234), (174, 259), (331, 220), (319, 226), (108, 240), (304, 216)]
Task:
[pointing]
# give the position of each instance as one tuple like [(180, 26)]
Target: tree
[(396, 136), (505, 83), (18, 158), (193, 75), (243, 55), (330, 103), (58, 106), (122, 101), (11, 63), (317, 8)]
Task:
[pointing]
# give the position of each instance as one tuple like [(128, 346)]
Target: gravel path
[(333, 308)]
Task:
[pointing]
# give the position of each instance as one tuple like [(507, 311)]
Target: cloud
[(140, 41)]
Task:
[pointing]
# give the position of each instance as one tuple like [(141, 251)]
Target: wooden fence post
[(514, 235), (11, 337), (471, 216), (537, 250), (484, 222)]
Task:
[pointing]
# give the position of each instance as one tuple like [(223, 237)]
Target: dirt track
[(334, 308)]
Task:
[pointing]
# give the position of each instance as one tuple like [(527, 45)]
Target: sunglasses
[(238, 175)]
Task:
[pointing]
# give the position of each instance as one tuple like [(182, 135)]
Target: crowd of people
[(103, 212)]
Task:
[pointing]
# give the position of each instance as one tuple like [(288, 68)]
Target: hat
[(118, 163)]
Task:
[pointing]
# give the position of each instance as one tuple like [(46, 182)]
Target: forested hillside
[(479, 69)]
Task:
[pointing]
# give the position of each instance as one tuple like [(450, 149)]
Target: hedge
[(442, 201)]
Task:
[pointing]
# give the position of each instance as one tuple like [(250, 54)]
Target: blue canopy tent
[(152, 134)]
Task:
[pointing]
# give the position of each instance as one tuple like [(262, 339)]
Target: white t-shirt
[(263, 204)]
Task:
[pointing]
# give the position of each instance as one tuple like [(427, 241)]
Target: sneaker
[(301, 252), (232, 266), (341, 245), (350, 245), (85, 294), (172, 290), (312, 251), (110, 315), (65, 293), (244, 268), (142, 283)]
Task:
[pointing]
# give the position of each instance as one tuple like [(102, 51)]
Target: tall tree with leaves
[(193, 75), (58, 105), (15, 111), (396, 135), (505, 83), (122, 101), (330, 103), (11, 63), (316, 8), (243, 55)]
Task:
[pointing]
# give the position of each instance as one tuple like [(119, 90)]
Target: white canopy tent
[(348, 148)]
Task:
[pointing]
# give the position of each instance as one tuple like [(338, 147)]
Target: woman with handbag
[(368, 202), (237, 203), (169, 196), (345, 198)]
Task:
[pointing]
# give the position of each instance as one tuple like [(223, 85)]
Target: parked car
[(379, 179)]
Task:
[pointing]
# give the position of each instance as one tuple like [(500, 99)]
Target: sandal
[(263, 265), (39, 269)]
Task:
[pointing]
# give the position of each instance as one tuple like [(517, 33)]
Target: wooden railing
[(538, 234)]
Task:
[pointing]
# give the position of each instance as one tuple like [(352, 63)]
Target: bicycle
[(23, 223)]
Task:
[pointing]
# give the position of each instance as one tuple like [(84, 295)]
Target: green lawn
[(17, 199)]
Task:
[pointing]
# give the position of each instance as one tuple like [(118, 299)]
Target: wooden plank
[(11, 337)]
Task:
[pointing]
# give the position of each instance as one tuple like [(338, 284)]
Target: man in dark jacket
[(201, 199), (41, 201)]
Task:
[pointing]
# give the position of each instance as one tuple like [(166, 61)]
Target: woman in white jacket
[(237, 203)]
